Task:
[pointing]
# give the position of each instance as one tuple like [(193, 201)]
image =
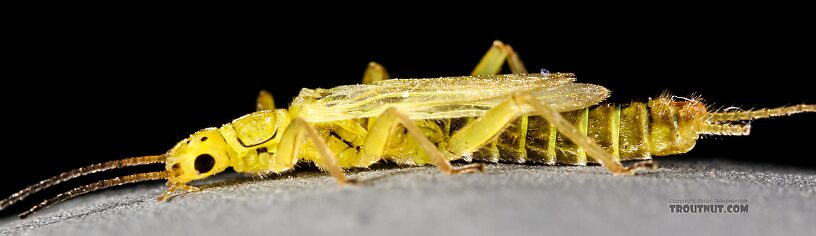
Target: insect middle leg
[(264, 101), (374, 72), (383, 128), (493, 122)]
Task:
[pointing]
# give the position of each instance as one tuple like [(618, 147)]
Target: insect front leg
[(294, 137), (383, 129), (173, 187), (477, 133), (495, 57)]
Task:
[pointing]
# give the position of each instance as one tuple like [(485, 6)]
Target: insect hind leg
[(493, 122), (490, 64), (495, 57), (383, 128)]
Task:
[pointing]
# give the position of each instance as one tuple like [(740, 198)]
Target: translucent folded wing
[(447, 97)]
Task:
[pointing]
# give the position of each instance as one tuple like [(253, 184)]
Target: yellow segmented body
[(620, 130), (623, 130)]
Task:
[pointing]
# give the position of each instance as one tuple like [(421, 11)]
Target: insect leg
[(383, 128), (603, 157), (479, 132), (489, 65), (265, 101), (174, 187), (495, 57), (374, 72), (291, 142)]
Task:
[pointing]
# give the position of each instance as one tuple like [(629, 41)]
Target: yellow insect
[(519, 117)]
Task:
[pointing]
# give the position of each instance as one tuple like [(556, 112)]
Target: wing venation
[(447, 97)]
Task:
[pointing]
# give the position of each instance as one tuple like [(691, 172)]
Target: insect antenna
[(159, 175), (133, 161), (761, 113)]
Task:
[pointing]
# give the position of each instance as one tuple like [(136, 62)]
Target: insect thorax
[(254, 138)]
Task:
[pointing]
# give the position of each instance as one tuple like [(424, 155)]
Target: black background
[(81, 90)]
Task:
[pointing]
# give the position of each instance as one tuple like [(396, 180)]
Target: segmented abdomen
[(621, 130)]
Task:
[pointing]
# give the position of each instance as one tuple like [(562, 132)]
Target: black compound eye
[(204, 163)]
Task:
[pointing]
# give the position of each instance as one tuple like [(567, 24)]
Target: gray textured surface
[(507, 200)]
